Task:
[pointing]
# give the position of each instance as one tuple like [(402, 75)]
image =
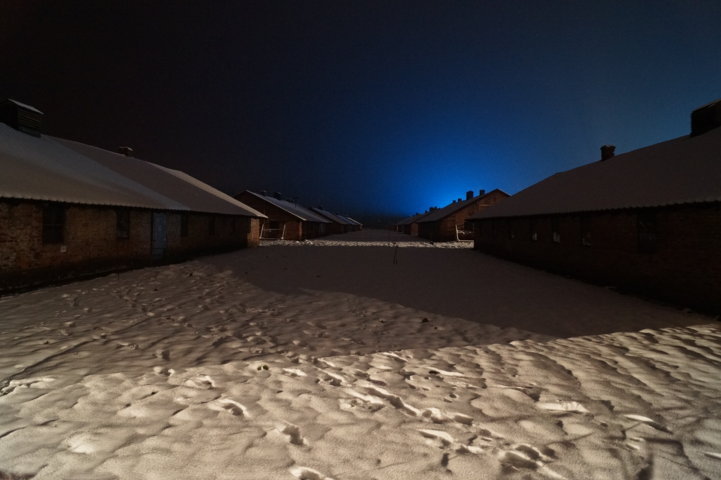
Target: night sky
[(367, 106)]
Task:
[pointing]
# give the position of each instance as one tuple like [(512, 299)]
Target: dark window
[(211, 225), (586, 230), (53, 223), (122, 223), (647, 232), (183, 224), (533, 230), (556, 229)]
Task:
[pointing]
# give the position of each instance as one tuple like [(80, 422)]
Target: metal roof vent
[(706, 118), (21, 117)]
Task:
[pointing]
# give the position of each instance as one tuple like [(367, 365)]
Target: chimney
[(21, 117), (127, 151), (706, 118), (469, 194), (607, 151), (481, 192)]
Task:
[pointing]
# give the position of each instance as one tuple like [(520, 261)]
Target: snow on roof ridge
[(40, 168), (55, 169), (331, 216), (25, 105), (208, 188), (295, 209), (453, 207), (679, 171)]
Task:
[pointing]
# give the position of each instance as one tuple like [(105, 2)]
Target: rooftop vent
[(706, 118), (607, 151), (127, 151), (481, 192), (21, 117)]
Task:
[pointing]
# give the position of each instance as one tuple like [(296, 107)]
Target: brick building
[(448, 223), (409, 225), (68, 209), (338, 224), (354, 225), (647, 221), (286, 220)]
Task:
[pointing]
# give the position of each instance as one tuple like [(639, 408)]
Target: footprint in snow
[(163, 371), (293, 432), (526, 456), (162, 354), (305, 473), (563, 406), (204, 382), (231, 406), (648, 421)]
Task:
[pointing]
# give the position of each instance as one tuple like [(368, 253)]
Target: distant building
[(409, 225), (286, 220), (69, 209), (355, 225), (647, 220), (339, 224), (449, 223)]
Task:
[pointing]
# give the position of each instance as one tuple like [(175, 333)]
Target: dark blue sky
[(364, 106)]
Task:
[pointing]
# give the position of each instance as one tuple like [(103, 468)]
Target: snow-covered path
[(354, 358)]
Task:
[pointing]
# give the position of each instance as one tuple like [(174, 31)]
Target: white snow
[(55, 169), (359, 356), (295, 209), (679, 171)]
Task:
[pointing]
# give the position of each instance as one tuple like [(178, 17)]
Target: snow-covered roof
[(332, 216), (412, 219), (352, 221), (299, 211), (25, 106), (680, 171), (53, 169), (442, 213)]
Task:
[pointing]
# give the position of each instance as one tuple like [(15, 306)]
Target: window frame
[(54, 218), (122, 223)]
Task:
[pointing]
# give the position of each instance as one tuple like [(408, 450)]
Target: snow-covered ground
[(354, 357)]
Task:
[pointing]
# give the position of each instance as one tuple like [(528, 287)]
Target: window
[(183, 224), (532, 230), (122, 224), (647, 232), (53, 223), (586, 230), (556, 229)]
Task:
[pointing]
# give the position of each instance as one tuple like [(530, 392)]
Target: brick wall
[(208, 232), (293, 226), (444, 230), (91, 243), (684, 265)]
